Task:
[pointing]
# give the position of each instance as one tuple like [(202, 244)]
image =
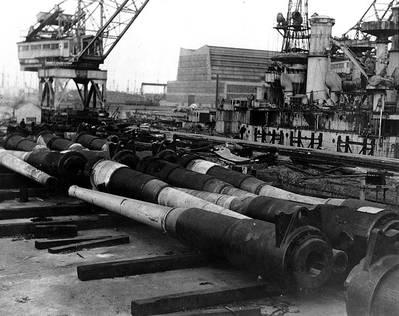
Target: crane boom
[(348, 53), (377, 11), (126, 7)]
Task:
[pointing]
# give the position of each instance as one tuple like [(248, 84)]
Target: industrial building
[(237, 73)]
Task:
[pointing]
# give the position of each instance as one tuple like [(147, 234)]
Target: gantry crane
[(63, 46)]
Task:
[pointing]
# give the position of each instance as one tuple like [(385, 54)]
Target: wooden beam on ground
[(124, 268), (56, 231), (105, 242), (12, 180), (45, 244), (201, 298), (16, 227), (11, 194), (222, 311), (37, 208), (330, 157)]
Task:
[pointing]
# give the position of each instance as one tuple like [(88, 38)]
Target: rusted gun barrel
[(178, 176), (112, 177), (296, 254), (18, 142), (57, 143), (372, 286), (68, 165), (21, 167)]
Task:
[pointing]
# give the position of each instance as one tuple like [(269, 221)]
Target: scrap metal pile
[(294, 240)]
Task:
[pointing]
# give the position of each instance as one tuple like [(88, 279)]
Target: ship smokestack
[(319, 57)]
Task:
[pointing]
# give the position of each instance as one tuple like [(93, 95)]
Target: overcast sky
[(150, 49)]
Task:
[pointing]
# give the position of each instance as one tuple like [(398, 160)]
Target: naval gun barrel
[(245, 182), (346, 228), (178, 176), (18, 142), (227, 201), (92, 142), (98, 152), (57, 143), (68, 165), (21, 167), (112, 177), (254, 185), (301, 256)]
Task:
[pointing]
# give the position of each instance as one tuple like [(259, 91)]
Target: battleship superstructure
[(332, 93)]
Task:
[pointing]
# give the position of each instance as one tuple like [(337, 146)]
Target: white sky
[(149, 51)]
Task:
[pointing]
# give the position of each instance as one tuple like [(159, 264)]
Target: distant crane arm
[(345, 49), (53, 14), (110, 25)]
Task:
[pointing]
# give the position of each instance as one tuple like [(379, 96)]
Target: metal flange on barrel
[(126, 157), (372, 286), (306, 252)]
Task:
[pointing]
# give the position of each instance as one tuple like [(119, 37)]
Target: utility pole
[(217, 91)]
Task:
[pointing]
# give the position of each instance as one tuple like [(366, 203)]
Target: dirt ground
[(34, 282)]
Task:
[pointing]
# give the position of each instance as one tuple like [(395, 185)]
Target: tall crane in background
[(63, 47), (369, 38), (379, 10)]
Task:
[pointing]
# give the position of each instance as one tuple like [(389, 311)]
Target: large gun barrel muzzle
[(68, 165), (300, 254)]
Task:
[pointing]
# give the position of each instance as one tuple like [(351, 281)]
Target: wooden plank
[(56, 231), (14, 180), (45, 244), (106, 242), (114, 269), (11, 194), (48, 208), (222, 311), (202, 298), (25, 226)]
